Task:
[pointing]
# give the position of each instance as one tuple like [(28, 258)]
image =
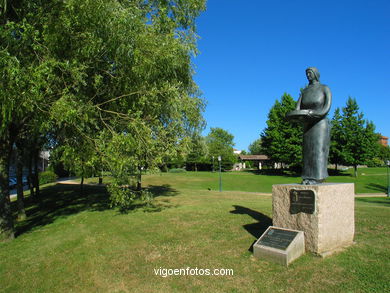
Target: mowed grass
[(73, 243), (369, 180)]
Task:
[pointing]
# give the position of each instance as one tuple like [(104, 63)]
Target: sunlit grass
[(76, 243), (369, 180)]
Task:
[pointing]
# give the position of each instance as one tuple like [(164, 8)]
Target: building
[(383, 140), (258, 160), (237, 152)]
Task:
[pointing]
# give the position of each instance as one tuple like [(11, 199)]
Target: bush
[(47, 177), (125, 197), (375, 162), (177, 170)]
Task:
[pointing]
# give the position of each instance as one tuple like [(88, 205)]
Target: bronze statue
[(312, 107)]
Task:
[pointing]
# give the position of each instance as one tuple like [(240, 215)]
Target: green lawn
[(369, 180), (73, 243)]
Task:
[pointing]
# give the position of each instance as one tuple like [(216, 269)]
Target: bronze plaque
[(277, 238), (302, 201)]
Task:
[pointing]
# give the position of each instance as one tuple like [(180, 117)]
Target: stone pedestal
[(330, 227)]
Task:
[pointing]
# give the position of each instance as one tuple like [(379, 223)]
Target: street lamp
[(388, 179), (213, 164), (220, 177)]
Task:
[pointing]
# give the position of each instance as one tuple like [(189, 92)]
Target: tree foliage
[(354, 141), (255, 147), (112, 77), (220, 143), (282, 140)]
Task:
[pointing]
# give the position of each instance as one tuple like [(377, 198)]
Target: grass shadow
[(255, 229), (377, 187), (342, 173), (385, 201), (275, 172), (151, 206), (162, 190), (61, 200)]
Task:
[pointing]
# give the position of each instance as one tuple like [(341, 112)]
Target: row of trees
[(353, 139), (106, 84), (204, 151)]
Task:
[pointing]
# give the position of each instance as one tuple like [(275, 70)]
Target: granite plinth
[(330, 227)]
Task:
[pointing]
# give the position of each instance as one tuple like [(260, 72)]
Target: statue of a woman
[(312, 107)]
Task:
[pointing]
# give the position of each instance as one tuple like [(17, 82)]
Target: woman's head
[(312, 73)]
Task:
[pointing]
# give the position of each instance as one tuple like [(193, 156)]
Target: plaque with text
[(302, 201), (277, 238)]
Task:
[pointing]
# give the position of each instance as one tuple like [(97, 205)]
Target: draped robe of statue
[(312, 108)]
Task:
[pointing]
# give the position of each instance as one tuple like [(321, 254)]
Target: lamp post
[(388, 179), (213, 164), (220, 177)]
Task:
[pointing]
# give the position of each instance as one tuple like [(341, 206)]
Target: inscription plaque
[(277, 238), (280, 245), (302, 201)]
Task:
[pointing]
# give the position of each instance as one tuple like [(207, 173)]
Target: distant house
[(237, 152), (258, 160), (383, 140)]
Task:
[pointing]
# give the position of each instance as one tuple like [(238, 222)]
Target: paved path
[(65, 180)]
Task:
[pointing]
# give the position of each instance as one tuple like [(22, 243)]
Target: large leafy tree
[(282, 140), (121, 68), (220, 143), (198, 151)]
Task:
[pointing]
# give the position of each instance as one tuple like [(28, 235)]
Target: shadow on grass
[(377, 187), (255, 229), (342, 173), (275, 172), (162, 190), (149, 206), (59, 201), (385, 201), (62, 200), (294, 172)]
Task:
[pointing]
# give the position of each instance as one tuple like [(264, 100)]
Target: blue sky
[(251, 52)]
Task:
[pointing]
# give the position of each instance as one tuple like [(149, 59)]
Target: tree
[(198, 151), (354, 137), (282, 140), (220, 143), (255, 147), (384, 153), (336, 139), (122, 68)]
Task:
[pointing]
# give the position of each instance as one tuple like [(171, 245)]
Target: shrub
[(126, 198), (47, 177), (375, 162)]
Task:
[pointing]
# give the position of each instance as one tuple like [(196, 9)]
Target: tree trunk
[(19, 183), (355, 170), (36, 173), (6, 219), (30, 177), (139, 179), (335, 167), (196, 168), (82, 184), (101, 177)]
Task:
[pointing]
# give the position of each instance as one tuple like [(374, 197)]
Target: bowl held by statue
[(298, 115)]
